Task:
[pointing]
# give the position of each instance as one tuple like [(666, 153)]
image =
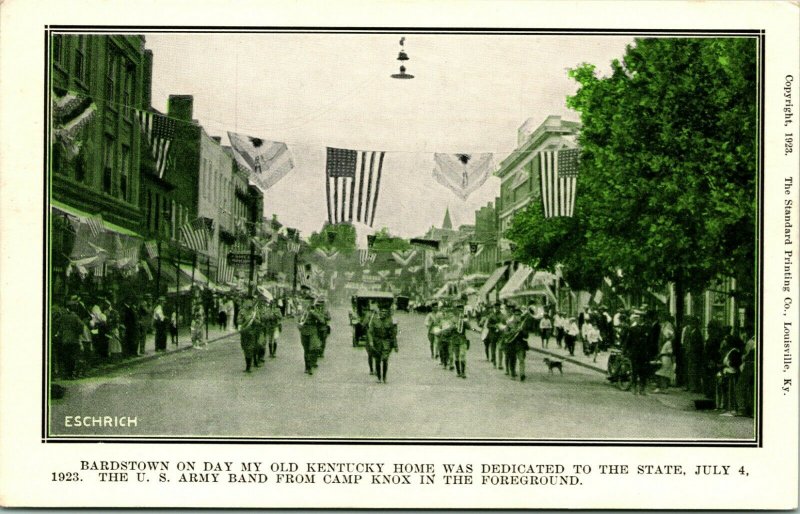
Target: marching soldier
[(456, 335), (444, 325), (271, 320), (363, 325), (518, 343), (310, 323), (431, 322), (248, 323), (325, 327), (382, 339)]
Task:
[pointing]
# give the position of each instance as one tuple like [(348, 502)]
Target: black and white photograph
[(423, 236), (436, 237)]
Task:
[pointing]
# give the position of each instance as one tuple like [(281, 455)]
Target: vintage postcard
[(409, 255)]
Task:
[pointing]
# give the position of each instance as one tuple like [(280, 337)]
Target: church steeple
[(447, 224)]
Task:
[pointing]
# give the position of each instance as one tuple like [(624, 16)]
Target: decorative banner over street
[(404, 258), (265, 161), (71, 112), (463, 173)]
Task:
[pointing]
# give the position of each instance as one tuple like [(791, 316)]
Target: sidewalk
[(676, 397), (184, 343)]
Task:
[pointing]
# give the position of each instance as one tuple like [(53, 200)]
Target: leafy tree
[(666, 191), (340, 237)]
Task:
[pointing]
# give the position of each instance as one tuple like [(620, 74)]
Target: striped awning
[(516, 281), (491, 282)]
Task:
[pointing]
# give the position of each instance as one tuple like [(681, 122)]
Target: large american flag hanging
[(559, 177), (195, 234), (159, 130), (352, 184)]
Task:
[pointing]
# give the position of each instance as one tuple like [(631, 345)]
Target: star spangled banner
[(463, 173), (266, 162), (559, 177), (352, 185), (159, 131)]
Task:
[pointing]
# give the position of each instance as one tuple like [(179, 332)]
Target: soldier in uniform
[(310, 323), (382, 339), (518, 344), (271, 322), (325, 327), (444, 325), (248, 329), (456, 335), (431, 321)]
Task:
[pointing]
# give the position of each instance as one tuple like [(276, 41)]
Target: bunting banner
[(404, 258), (71, 112), (95, 224), (414, 269), (266, 162), (559, 177), (158, 131), (463, 173), (384, 273), (293, 246), (326, 253), (352, 185)]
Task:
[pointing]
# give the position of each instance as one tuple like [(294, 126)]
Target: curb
[(570, 359), (106, 368)]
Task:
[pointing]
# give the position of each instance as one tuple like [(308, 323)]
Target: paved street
[(206, 393)]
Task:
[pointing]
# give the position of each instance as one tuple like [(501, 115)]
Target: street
[(205, 393)]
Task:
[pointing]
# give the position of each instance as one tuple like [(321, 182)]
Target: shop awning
[(536, 290), (184, 281), (491, 282), (516, 281), (66, 209), (442, 292)]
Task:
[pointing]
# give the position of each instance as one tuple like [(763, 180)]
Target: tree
[(340, 237), (666, 191)]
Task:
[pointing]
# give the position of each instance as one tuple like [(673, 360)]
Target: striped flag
[(365, 257), (151, 247), (224, 271), (195, 235), (559, 177), (266, 162), (293, 246), (352, 184), (463, 173), (95, 224), (159, 130)]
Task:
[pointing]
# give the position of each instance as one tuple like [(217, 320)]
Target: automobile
[(360, 310)]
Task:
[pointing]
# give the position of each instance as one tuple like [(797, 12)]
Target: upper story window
[(111, 77), (58, 49), (124, 174), (81, 64)]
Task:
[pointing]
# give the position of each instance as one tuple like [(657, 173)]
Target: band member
[(325, 326), (456, 334), (431, 321), (382, 339), (518, 343), (311, 322), (363, 326), (271, 324), (248, 332)]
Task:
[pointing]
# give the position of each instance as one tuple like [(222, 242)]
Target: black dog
[(553, 364)]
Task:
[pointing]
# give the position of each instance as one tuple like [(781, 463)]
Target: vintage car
[(360, 312)]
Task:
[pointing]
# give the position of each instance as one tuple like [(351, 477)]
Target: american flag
[(224, 271), (95, 224), (159, 130), (559, 177), (352, 183), (195, 234), (151, 247), (365, 257)]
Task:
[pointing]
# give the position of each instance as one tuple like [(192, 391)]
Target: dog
[(553, 364)]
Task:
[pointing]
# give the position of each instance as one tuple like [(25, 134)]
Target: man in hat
[(325, 325), (248, 332), (518, 344), (445, 324), (309, 324), (271, 323), (431, 322), (382, 339), (456, 335), (636, 347)]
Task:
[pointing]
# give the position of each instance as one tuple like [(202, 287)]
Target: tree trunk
[(678, 350)]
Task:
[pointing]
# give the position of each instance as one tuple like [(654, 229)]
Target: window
[(149, 211), (58, 49), (80, 60), (127, 90), (111, 77), (108, 164), (124, 174)]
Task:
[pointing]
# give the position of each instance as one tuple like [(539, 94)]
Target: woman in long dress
[(666, 373)]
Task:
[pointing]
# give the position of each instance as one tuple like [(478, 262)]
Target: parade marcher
[(518, 342), (325, 325), (591, 340), (310, 323), (382, 339), (445, 324), (503, 326), (431, 322), (495, 320), (160, 322), (271, 323), (454, 330), (545, 329), (198, 322), (248, 333), (362, 326)]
